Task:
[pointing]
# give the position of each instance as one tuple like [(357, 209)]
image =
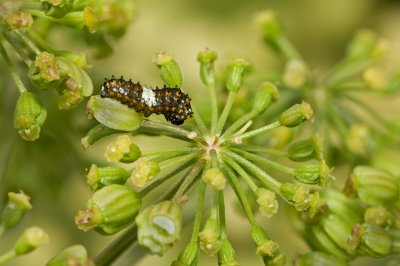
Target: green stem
[(214, 107), (199, 121), (222, 220), (171, 130), (199, 211), (240, 122), (40, 41), (257, 149), (252, 133), (241, 172), (178, 161), (178, 151), (264, 161), (225, 112), (2, 229), (19, 47), (188, 180), (268, 181), (345, 71), (288, 50), (9, 255), (14, 74), (214, 159), (240, 193), (28, 42)]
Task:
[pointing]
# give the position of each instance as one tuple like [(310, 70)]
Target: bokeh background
[(51, 169)]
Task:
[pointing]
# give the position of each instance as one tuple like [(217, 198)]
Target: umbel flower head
[(217, 155)]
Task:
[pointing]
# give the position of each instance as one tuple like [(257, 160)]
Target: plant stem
[(171, 154), (14, 74), (188, 180), (28, 42), (179, 161), (199, 211), (222, 220), (225, 112), (252, 133), (199, 121), (9, 255), (214, 107), (238, 123), (241, 172), (257, 149)]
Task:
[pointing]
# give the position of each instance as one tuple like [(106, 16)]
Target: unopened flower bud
[(312, 173), (299, 196), (29, 116), (268, 23), (98, 177), (372, 240), (265, 246), (57, 8), (296, 115), (123, 150), (32, 238), (144, 171), (374, 186), (209, 237), (280, 137), (44, 73), (110, 209), (266, 94), (170, 71), (235, 73), (305, 150), (159, 226), (189, 256), (362, 46), (267, 202), (113, 114), (75, 255), (17, 205), (96, 133), (319, 258), (206, 59), (226, 255), (357, 139), (19, 20), (214, 178), (374, 78), (379, 215), (295, 74)]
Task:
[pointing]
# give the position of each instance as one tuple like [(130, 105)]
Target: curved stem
[(225, 112)]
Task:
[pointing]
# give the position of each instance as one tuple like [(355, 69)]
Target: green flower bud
[(144, 171), (226, 255), (320, 259), (32, 238), (317, 205), (267, 202), (98, 177), (268, 23), (206, 59), (170, 71), (305, 150), (44, 73), (113, 114), (266, 94), (357, 139), (74, 255), (265, 246), (298, 196), (235, 73), (111, 209), (189, 256), (57, 8), (374, 78), (362, 46), (90, 19), (312, 173), (19, 20), (379, 215), (372, 240), (123, 150), (296, 115), (17, 205), (295, 74), (374, 186), (159, 226), (96, 133), (209, 237), (214, 178), (29, 116)]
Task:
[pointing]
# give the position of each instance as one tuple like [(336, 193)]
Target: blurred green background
[(51, 169)]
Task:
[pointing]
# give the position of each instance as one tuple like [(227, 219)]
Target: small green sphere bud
[(74, 255), (295, 74), (267, 202), (214, 178), (235, 73), (226, 255), (98, 177), (374, 186), (170, 71), (379, 215), (210, 237), (189, 256), (305, 150), (267, 21), (357, 139), (19, 20), (159, 226), (144, 171), (17, 205), (266, 94), (312, 173), (362, 46), (206, 59), (299, 196), (319, 258), (111, 209), (31, 239), (44, 70), (265, 246), (296, 115), (29, 116), (123, 150), (113, 114)]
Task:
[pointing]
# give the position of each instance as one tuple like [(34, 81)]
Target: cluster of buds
[(217, 154)]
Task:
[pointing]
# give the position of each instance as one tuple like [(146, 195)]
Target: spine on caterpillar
[(171, 102)]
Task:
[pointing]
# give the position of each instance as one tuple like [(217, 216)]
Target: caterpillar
[(171, 102)]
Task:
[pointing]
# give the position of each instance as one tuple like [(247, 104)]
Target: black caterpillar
[(171, 102)]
